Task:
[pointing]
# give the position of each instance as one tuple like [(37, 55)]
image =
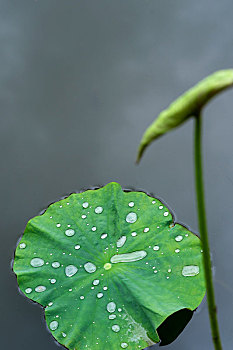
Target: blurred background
[(80, 81)]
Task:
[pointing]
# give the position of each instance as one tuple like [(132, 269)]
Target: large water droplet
[(131, 218), (53, 325), (98, 210), (69, 232), (56, 264), (111, 307), (178, 238), (129, 257), (70, 270), (190, 271), (37, 262), (89, 267), (121, 241), (115, 328), (40, 289), (124, 345)]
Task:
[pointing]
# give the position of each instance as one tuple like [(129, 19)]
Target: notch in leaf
[(187, 105)]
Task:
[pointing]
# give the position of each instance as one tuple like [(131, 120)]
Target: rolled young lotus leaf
[(187, 105)]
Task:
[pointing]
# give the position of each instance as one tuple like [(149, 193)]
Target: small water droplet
[(124, 345), (119, 309), (22, 246), (165, 213), (95, 282), (104, 235), (85, 205), (115, 328), (161, 207), (100, 295), (58, 225), (82, 297), (156, 247), (121, 241), (177, 250), (107, 266), (63, 334), (178, 238), (53, 325), (169, 270), (112, 317), (105, 288), (70, 270), (40, 289), (134, 234), (93, 228), (28, 290), (69, 233), (190, 271), (153, 202), (56, 264), (37, 262), (77, 247), (111, 307), (155, 271), (131, 204), (84, 216), (131, 218), (98, 210), (53, 280), (89, 267), (146, 229), (50, 304)]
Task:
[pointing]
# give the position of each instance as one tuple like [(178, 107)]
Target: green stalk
[(204, 235)]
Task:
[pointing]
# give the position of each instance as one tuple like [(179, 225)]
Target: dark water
[(80, 82)]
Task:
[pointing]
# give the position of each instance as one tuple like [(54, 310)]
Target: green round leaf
[(109, 267)]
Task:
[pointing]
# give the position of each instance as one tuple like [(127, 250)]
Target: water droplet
[(69, 232), (129, 257), (186, 235), (165, 213), (63, 334), (85, 205), (56, 264), (22, 245), (115, 328), (53, 325), (53, 281), (121, 241), (93, 228), (95, 282), (178, 238), (153, 202), (82, 297), (107, 266), (84, 216), (156, 247), (190, 271), (28, 290), (50, 304), (177, 250), (58, 225), (146, 229), (105, 288), (161, 207), (104, 235), (169, 270), (89, 267), (111, 307), (131, 204), (100, 295), (70, 270), (98, 210), (131, 218), (40, 289), (37, 262), (124, 345), (134, 234), (119, 310), (112, 317), (155, 271)]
